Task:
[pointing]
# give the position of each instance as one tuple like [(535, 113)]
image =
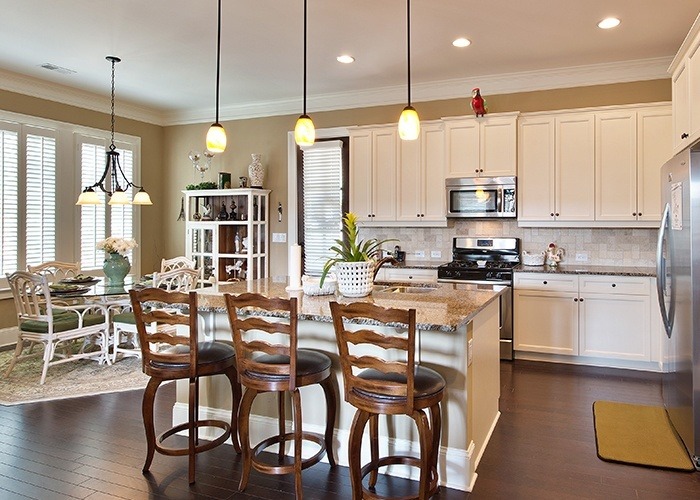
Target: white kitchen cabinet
[(590, 316), (556, 167), (654, 148), (685, 82), (373, 164), (421, 275), (421, 178), (481, 147), (230, 246)]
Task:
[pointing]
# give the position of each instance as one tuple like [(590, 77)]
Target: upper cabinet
[(685, 80), (593, 168), (481, 147), (395, 182)]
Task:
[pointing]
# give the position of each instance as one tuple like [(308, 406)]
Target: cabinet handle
[(551, 214), (614, 285), (575, 299), (544, 282), (639, 214), (481, 170), (556, 213), (634, 214), (476, 170), (684, 135), (581, 299), (410, 277)]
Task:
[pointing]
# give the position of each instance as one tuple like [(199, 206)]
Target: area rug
[(83, 377), (638, 435)]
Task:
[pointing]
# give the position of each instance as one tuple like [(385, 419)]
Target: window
[(323, 199), (43, 166)]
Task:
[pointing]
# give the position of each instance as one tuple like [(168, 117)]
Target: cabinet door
[(536, 168), (409, 204), (462, 141), (361, 174), (497, 141), (433, 173), (616, 166), (575, 167), (545, 322), (615, 326), (693, 89), (418, 275), (681, 105), (654, 148), (383, 180)]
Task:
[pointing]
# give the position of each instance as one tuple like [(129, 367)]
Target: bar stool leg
[(374, 448), (425, 438), (281, 429), (436, 427), (244, 430), (232, 376), (149, 396), (296, 405), (329, 391), (192, 428), (355, 451)]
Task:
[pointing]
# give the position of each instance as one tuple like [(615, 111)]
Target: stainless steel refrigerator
[(678, 284)]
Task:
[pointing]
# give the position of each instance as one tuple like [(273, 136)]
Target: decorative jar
[(115, 267), (256, 171)]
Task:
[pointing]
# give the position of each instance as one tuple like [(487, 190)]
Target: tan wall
[(268, 136)]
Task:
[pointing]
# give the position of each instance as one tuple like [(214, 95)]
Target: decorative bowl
[(532, 259), (311, 286)]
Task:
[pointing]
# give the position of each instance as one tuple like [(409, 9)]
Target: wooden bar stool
[(170, 350), (274, 364), (377, 383)]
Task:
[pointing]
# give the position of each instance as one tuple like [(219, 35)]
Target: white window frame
[(68, 186)]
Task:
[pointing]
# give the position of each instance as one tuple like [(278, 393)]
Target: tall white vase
[(256, 171)]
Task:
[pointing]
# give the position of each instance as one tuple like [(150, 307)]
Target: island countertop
[(446, 307)]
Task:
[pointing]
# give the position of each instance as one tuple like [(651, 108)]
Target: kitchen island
[(457, 336)]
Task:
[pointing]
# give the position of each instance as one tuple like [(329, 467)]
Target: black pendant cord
[(408, 45), (304, 105), (218, 61)]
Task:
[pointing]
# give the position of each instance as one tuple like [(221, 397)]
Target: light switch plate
[(435, 254), (279, 237), (581, 257), (419, 254)]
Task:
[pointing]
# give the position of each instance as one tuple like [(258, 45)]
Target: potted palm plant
[(354, 260)]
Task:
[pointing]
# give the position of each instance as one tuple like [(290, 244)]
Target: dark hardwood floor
[(543, 447)]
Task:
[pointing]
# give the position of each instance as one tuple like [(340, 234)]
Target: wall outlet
[(279, 237), (435, 254), (581, 257), (419, 254)]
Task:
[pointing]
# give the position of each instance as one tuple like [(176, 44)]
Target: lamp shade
[(142, 198), (88, 197), (304, 131), (119, 197), (409, 124), (216, 138)]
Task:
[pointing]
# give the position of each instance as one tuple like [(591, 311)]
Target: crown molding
[(508, 83)]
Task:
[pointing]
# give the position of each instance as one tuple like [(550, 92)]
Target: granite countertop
[(447, 307), (574, 269)]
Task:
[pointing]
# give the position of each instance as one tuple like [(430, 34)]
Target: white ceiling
[(168, 48)]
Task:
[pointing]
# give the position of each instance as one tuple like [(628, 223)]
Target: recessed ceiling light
[(345, 59), (461, 42), (608, 22)]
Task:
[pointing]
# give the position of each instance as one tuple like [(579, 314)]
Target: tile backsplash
[(603, 246)]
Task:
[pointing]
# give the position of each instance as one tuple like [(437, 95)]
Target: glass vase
[(115, 267)]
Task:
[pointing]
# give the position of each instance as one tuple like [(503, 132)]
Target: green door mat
[(638, 435)]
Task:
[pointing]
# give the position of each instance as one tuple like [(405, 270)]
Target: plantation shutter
[(9, 197), (40, 208), (322, 184), (92, 217)]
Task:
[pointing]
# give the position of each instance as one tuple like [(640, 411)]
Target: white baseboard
[(8, 336), (453, 463)]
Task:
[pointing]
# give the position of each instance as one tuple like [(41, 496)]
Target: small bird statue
[(478, 103)]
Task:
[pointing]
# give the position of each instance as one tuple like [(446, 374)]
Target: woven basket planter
[(355, 278)]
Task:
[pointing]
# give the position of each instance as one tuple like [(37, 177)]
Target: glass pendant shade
[(88, 197), (216, 138), (409, 124), (142, 198), (304, 131), (119, 197)]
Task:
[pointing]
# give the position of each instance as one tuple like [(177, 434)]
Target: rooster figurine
[(478, 103)]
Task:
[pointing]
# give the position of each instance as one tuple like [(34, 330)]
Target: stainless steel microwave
[(481, 197)]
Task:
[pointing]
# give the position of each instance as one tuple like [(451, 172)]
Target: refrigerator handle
[(661, 271)]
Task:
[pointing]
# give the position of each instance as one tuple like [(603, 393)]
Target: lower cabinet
[(422, 275), (598, 316)]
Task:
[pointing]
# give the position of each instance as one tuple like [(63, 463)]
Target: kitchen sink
[(403, 289)]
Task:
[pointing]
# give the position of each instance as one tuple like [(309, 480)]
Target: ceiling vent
[(58, 69)]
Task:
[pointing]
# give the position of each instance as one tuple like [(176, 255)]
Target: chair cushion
[(125, 317), (308, 363), (208, 353), (62, 321), (427, 382)]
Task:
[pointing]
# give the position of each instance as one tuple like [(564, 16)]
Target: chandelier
[(113, 170)]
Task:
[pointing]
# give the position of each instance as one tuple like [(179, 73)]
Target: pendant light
[(304, 131), (409, 123), (216, 136), (113, 170)]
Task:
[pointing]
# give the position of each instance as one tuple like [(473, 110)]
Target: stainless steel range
[(486, 262)]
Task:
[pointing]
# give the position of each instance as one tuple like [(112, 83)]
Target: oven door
[(505, 323)]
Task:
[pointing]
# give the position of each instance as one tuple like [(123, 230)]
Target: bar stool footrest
[(287, 468), (206, 445), (396, 460)]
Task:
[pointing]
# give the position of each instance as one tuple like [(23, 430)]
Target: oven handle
[(477, 282)]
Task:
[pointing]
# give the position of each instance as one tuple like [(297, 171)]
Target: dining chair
[(124, 338), (176, 263), (41, 321), (55, 270), (268, 360), (175, 325), (381, 377)]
